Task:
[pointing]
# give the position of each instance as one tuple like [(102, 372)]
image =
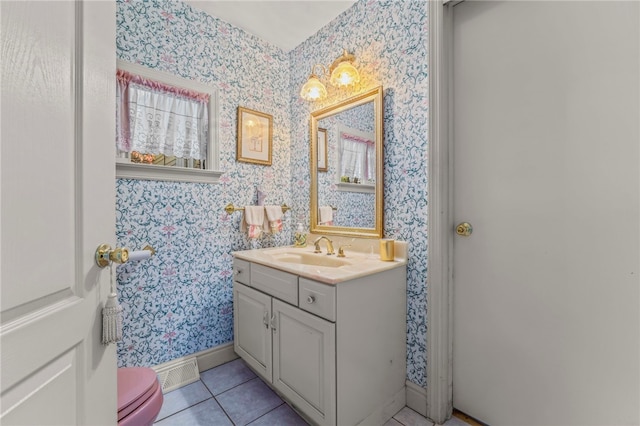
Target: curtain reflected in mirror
[(357, 155)]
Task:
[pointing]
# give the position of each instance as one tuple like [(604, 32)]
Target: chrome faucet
[(316, 243)]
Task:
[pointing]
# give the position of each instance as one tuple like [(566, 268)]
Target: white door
[(57, 204), (546, 169), (304, 361), (251, 330)]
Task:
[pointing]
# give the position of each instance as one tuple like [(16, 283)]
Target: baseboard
[(215, 356), (417, 398), (207, 359), (386, 410)]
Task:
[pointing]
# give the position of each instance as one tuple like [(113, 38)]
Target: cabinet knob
[(310, 299), (238, 271)]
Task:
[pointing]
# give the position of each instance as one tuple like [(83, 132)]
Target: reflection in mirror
[(350, 179), (357, 155), (322, 150), (346, 196)]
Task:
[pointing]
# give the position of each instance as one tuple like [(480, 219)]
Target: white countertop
[(357, 264)]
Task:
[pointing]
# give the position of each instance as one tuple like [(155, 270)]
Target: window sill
[(356, 187), (126, 170)]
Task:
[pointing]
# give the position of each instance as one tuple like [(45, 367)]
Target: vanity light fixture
[(341, 73)]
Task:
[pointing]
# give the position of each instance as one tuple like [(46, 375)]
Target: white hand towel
[(273, 219), (252, 221), (326, 215)]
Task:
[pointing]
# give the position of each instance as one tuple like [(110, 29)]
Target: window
[(166, 127)]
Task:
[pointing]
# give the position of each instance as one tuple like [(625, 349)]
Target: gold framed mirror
[(347, 185)]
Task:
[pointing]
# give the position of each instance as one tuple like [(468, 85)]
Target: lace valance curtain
[(358, 157), (155, 118)]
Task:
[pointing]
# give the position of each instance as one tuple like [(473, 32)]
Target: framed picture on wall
[(255, 137), (323, 165)]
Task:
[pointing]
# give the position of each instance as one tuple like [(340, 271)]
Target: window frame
[(125, 169)]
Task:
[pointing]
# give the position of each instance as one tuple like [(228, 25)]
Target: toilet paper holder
[(105, 254)]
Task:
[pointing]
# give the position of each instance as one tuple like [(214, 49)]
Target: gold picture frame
[(323, 150), (255, 137)]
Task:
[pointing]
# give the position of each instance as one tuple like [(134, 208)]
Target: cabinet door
[(304, 361), (251, 333)]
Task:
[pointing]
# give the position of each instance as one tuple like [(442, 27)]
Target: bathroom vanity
[(328, 334)]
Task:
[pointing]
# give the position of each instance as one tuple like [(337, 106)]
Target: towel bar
[(230, 208)]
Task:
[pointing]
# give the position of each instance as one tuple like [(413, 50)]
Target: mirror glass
[(346, 167)]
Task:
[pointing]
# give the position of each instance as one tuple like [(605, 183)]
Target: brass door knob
[(464, 229), (105, 255)]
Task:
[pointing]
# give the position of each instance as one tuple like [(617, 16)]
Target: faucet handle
[(341, 250)]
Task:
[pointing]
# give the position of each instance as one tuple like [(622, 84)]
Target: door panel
[(58, 196), (546, 289), (41, 79), (252, 335), (54, 385), (304, 361)]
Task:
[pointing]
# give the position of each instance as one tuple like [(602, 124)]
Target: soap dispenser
[(300, 237)]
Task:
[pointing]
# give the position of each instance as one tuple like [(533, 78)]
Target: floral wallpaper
[(389, 40), (356, 209), (180, 301), (361, 118)]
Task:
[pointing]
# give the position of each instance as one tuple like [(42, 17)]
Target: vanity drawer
[(242, 271), (279, 284), (317, 298)]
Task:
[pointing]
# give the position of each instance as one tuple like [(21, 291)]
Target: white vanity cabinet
[(304, 364), (335, 352), (252, 333)]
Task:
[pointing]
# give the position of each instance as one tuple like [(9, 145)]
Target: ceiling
[(285, 24)]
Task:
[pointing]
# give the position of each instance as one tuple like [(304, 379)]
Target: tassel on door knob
[(105, 255), (464, 229)]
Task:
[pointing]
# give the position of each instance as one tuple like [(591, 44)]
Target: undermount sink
[(313, 259)]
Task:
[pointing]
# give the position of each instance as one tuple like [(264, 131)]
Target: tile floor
[(231, 394)]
